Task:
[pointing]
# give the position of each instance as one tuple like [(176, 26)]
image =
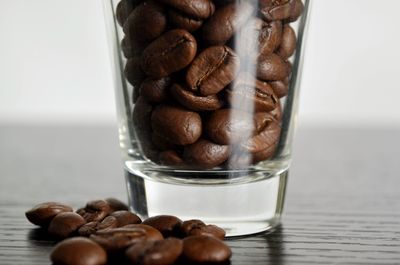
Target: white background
[(54, 64)]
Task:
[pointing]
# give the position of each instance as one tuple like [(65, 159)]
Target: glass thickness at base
[(241, 208)]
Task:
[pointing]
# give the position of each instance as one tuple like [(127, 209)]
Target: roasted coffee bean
[(151, 232), (78, 251), (280, 87), (264, 154), (171, 52), (125, 218), (281, 9), (188, 225), (195, 102), (88, 229), (272, 68), (43, 213), (127, 48), (124, 9), (116, 205), (228, 126), (226, 20), (163, 252), (277, 112), (117, 239), (212, 70), (65, 224), (95, 210), (205, 250), (200, 9), (258, 37), (198, 227), (168, 225), (250, 93), (133, 72), (263, 119), (176, 124), (171, 158), (155, 90), (268, 137), (205, 154), (183, 21), (161, 143), (288, 44), (92, 227), (146, 22)]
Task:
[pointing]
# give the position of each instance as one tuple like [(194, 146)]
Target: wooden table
[(343, 203)]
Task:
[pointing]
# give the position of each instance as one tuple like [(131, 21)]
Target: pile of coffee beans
[(207, 77), (105, 231)]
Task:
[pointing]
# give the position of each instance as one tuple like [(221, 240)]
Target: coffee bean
[(208, 230), (280, 87), (155, 90), (168, 225), (205, 249), (163, 252), (264, 154), (95, 210), (183, 21), (43, 213), (171, 52), (127, 48), (250, 93), (65, 224), (228, 126), (151, 232), (78, 251), (288, 44), (146, 22), (281, 9), (133, 72), (200, 9), (206, 154), (226, 20), (269, 136), (161, 143), (88, 229), (116, 205), (195, 102), (177, 125), (272, 68), (212, 70), (171, 158), (92, 227), (124, 218), (117, 239), (124, 9), (188, 225)]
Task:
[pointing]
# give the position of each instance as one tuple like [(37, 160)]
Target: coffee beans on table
[(190, 62), (120, 235), (43, 213)]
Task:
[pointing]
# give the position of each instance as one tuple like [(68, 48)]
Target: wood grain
[(343, 203)]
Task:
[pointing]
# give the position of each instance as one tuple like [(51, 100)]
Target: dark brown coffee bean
[(212, 70), (155, 90), (151, 232), (280, 87), (269, 136), (133, 72), (177, 125), (88, 229), (226, 20), (195, 102), (201, 9), (65, 224), (183, 21), (208, 230), (288, 44), (124, 9), (108, 223), (251, 94), (145, 23), (206, 154), (116, 205), (117, 239), (43, 213), (258, 37), (264, 154), (277, 112), (161, 143), (168, 225), (171, 52), (127, 48), (228, 126), (188, 225), (163, 252), (92, 227), (78, 251), (272, 68), (95, 210), (171, 158), (125, 218), (281, 9), (205, 249)]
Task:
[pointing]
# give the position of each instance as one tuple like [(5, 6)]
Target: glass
[(207, 95)]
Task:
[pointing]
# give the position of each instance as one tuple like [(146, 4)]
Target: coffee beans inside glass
[(207, 94)]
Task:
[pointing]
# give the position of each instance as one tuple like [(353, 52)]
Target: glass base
[(241, 208)]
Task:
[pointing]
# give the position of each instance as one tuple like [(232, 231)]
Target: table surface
[(342, 206)]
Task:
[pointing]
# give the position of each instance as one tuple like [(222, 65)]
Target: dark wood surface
[(342, 207)]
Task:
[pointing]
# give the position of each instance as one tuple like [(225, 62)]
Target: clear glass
[(207, 95)]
